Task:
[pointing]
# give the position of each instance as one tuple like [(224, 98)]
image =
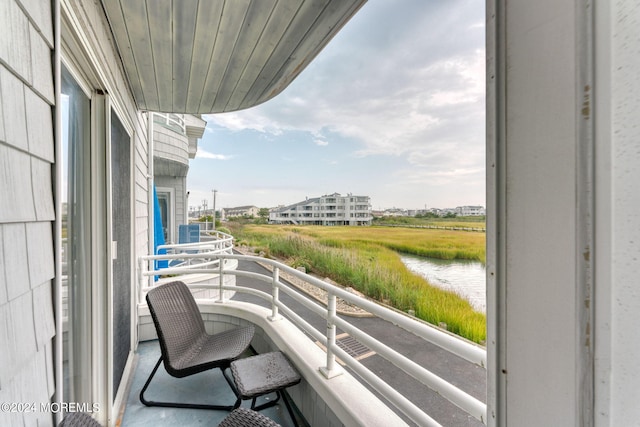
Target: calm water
[(466, 278)]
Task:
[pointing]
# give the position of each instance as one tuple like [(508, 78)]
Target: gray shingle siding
[(27, 210), (15, 124)]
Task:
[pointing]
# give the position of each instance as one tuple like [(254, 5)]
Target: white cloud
[(413, 87), (202, 154), (243, 120), (394, 102)]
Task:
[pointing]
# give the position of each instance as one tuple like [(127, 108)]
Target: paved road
[(465, 375)]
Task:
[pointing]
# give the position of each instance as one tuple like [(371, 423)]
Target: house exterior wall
[(241, 211), (194, 126), (332, 209), (470, 211), (173, 146), (27, 266), (173, 149)]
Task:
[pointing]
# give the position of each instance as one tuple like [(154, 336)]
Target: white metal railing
[(172, 121), (222, 242), (184, 259), (216, 262)]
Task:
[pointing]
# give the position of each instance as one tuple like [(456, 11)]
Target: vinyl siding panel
[(23, 340), (39, 126), (41, 174), (15, 260), (39, 243), (14, 44), (15, 186), (40, 17), (13, 108), (2, 134), (43, 315), (27, 209), (3, 279), (41, 66)]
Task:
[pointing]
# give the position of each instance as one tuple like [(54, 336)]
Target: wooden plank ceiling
[(213, 56)]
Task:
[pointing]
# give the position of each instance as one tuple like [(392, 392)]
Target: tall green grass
[(442, 244), (367, 260)]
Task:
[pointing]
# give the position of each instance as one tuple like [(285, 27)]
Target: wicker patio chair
[(244, 417), (79, 419), (186, 348)]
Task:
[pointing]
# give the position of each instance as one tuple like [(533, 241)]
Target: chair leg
[(178, 404), (265, 405), (289, 408), (279, 394), (146, 384), (233, 388)]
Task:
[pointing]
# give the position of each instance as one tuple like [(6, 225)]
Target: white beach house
[(330, 209)]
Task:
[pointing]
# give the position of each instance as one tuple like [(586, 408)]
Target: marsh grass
[(461, 222), (367, 259), (442, 244)]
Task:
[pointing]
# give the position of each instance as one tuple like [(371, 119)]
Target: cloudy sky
[(392, 108)]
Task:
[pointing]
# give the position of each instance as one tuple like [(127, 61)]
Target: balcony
[(381, 367)]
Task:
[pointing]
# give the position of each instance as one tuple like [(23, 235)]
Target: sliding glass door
[(121, 232), (76, 241)]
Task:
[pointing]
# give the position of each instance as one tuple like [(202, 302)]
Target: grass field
[(366, 258)]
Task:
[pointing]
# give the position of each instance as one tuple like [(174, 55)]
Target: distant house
[(250, 211), (395, 212), (332, 209), (470, 211)]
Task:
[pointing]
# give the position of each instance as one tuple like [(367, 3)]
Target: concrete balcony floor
[(207, 387)]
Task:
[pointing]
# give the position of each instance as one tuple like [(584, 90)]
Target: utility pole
[(206, 224), (214, 208)]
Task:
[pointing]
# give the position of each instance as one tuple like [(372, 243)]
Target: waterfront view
[(370, 260), (466, 278)]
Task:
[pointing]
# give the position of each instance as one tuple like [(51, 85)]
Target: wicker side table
[(262, 374)]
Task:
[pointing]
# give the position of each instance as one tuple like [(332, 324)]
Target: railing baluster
[(331, 370), (220, 280), (275, 292)]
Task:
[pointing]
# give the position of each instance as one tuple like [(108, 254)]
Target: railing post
[(220, 280), (331, 369), (275, 292)]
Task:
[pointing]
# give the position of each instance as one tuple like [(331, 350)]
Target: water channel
[(466, 278)]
